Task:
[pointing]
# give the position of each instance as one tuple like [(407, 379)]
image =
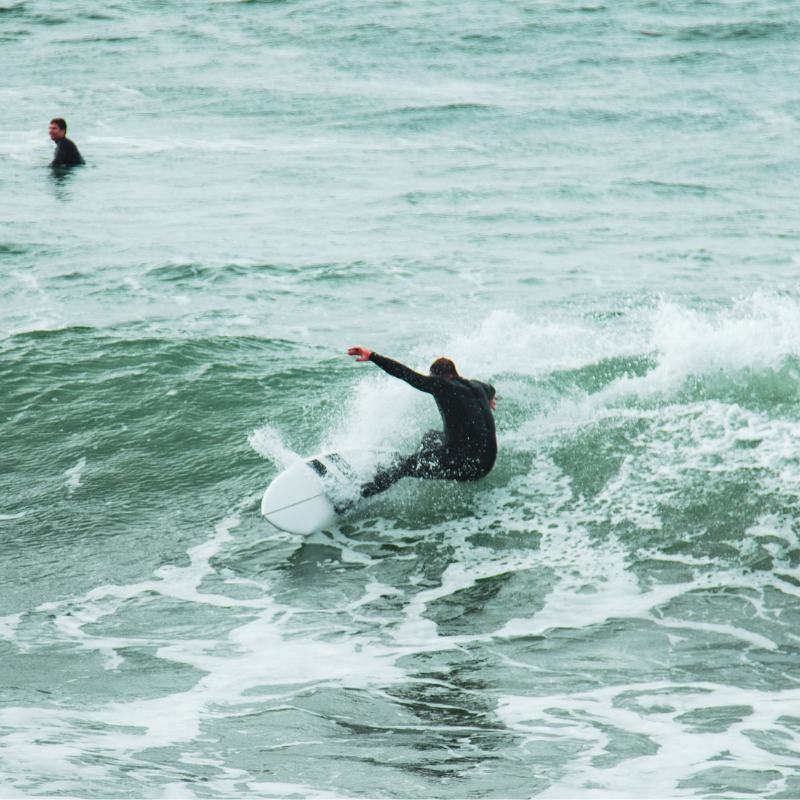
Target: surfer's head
[(58, 129), (444, 368)]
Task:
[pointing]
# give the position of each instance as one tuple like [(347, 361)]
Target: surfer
[(67, 153), (467, 447)]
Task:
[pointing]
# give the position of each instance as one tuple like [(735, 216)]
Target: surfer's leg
[(431, 464), (387, 476), (442, 463), (432, 440), (446, 463), (419, 465)]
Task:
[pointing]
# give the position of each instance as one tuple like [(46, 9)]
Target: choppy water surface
[(593, 207)]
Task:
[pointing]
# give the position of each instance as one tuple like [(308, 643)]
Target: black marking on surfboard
[(346, 471), (318, 467), (322, 471), (344, 467)]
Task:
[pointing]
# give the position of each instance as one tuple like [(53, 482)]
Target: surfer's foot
[(344, 507)]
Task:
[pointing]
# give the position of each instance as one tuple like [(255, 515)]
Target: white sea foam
[(381, 412), (265, 649), (267, 442), (8, 625), (653, 712), (74, 475), (758, 332)]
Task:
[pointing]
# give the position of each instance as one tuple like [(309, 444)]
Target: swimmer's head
[(58, 129), (444, 368)]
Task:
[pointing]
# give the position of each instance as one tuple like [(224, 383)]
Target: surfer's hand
[(361, 352), (493, 403)]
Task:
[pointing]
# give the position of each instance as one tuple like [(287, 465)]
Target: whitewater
[(591, 207)]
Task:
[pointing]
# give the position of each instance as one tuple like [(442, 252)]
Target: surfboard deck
[(315, 493)]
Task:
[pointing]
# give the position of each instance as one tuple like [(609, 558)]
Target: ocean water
[(592, 206)]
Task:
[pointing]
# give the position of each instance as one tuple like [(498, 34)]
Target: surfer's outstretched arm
[(425, 383)]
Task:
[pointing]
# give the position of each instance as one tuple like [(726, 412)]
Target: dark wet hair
[(444, 367), (60, 122)]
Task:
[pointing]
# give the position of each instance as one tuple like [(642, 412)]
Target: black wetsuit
[(67, 154), (465, 450)]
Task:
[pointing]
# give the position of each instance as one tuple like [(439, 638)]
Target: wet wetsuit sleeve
[(425, 383)]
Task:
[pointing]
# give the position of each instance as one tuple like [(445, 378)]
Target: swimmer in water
[(467, 447), (66, 154)]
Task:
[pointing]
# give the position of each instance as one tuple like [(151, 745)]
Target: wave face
[(624, 581), (591, 207)]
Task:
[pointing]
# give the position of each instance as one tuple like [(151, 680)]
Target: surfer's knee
[(432, 440)]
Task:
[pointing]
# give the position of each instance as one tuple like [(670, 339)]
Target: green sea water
[(593, 207)]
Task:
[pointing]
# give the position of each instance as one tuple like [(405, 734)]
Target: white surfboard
[(316, 493)]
